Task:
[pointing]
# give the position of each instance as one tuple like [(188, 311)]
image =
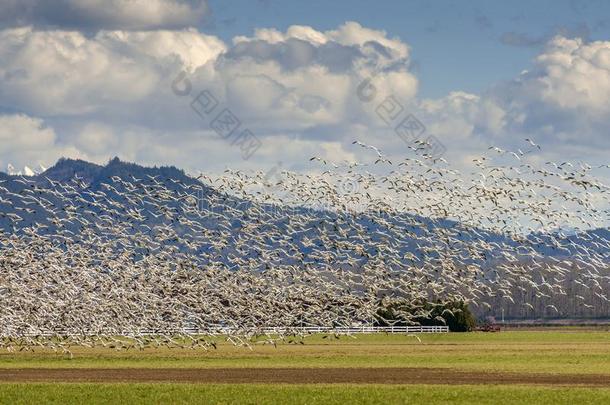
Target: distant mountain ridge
[(93, 175), (417, 239), (67, 169)]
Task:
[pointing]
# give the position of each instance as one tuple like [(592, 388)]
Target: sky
[(482, 42), (206, 85)]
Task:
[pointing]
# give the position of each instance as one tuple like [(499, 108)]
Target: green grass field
[(569, 351), (295, 394), (547, 352)]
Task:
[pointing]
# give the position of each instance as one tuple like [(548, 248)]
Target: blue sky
[(456, 44)]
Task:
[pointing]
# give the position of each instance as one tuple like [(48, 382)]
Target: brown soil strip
[(299, 376)]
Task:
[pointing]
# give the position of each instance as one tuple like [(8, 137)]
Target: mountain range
[(216, 213)]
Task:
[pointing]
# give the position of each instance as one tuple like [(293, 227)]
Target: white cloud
[(560, 101), (26, 140), (188, 48), (64, 72), (110, 94), (97, 139), (301, 84), (573, 75), (23, 132)]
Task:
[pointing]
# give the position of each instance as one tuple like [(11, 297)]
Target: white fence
[(228, 331), (367, 329), (339, 330)]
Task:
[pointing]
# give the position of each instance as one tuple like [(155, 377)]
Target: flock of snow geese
[(134, 262)]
